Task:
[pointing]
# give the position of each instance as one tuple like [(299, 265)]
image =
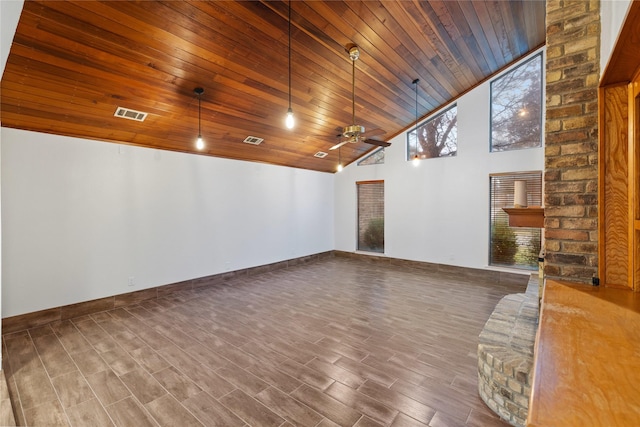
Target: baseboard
[(56, 314), (499, 277)]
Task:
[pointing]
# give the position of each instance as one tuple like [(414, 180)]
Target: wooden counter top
[(587, 358)]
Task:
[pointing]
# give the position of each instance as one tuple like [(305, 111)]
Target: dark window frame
[(506, 242), (411, 145), (492, 146), (370, 235)]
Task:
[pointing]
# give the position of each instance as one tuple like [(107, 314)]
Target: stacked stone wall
[(505, 355), (571, 139)]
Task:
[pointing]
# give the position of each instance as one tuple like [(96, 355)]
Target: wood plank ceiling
[(72, 63)]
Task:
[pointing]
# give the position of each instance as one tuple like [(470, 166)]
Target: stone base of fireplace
[(505, 355)]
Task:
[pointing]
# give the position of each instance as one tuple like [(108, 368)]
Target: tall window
[(517, 247), (516, 107), (437, 137), (371, 216)]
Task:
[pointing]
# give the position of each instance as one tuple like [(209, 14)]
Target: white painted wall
[(439, 211), (612, 15), (10, 11), (80, 217)]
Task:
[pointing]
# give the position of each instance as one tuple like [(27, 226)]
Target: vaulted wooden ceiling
[(72, 63)]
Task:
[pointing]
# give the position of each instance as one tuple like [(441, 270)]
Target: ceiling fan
[(355, 133)]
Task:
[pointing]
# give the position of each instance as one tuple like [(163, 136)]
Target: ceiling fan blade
[(338, 145), (378, 143)]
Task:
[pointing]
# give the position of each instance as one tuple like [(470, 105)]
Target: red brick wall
[(571, 142)]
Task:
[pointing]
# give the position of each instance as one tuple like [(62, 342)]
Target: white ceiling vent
[(253, 140), (320, 154), (126, 113)]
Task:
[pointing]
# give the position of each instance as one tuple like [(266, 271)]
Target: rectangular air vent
[(253, 140), (127, 113), (320, 154)]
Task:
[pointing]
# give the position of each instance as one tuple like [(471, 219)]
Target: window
[(371, 216), (516, 107), (375, 158), (437, 137), (517, 247)]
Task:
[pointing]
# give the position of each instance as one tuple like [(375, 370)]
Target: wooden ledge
[(532, 216), (587, 357)]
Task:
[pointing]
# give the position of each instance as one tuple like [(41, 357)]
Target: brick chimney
[(571, 140)]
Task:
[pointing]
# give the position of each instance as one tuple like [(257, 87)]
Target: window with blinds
[(517, 247), (371, 216)]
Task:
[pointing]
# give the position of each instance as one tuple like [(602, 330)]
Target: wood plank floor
[(336, 342)]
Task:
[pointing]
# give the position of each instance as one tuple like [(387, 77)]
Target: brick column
[(571, 141)]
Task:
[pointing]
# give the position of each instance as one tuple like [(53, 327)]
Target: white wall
[(80, 217), (439, 211), (9, 15), (612, 15)]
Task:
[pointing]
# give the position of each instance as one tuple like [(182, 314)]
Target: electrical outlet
[(132, 281)]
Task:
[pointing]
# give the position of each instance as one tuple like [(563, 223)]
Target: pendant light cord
[(289, 54), (199, 142), (199, 110), (415, 82)]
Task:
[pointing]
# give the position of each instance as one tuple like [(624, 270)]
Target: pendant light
[(416, 159), (289, 121), (199, 142)]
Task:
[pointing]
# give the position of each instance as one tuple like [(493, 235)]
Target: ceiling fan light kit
[(353, 131)]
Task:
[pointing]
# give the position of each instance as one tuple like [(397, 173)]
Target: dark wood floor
[(336, 342)]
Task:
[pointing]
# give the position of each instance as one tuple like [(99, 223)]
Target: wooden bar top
[(587, 358)]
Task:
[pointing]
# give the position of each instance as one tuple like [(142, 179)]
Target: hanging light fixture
[(339, 160), (199, 142), (416, 159), (289, 121)]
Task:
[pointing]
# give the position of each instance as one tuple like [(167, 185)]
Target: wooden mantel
[(586, 365), (532, 216)]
